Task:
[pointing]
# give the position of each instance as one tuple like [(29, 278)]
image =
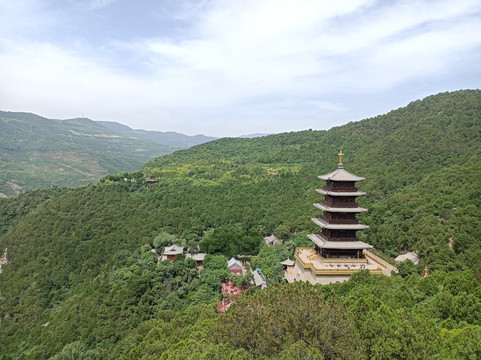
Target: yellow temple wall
[(385, 266)]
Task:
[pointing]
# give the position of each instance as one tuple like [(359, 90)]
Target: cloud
[(235, 63), (273, 48), (182, 9), (65, 82), (100, 4)]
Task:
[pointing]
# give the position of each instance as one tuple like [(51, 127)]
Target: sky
[(230, 68)]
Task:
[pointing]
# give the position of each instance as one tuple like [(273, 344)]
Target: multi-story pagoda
[(338, 252), (337, 238)]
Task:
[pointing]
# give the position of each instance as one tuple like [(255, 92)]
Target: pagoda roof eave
[(340, 193), (345, 245), (326, 225), (288, 262), (339, 210), (341, 175)]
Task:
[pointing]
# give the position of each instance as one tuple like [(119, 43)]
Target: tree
[(148, 258), (76, 351), (462, 343), (396, 333), (231, 240), (214, 272), (457, 282), (300, 351), (282, 232), (269, 260), (466, 307), (407, 268), (162, 240), (270, 321)]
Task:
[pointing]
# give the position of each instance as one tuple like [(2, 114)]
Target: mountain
[(36, 152), (80, 276), (254, 135), (170, 138)]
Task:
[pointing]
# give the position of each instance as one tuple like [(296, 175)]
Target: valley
[(36, 152)]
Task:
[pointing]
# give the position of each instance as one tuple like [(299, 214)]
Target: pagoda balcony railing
[(340, 205), (338, 238), (339, 189), (333, 238), (339, 221)]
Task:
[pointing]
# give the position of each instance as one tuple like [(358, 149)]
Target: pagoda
[(339, 225), (337, 252)]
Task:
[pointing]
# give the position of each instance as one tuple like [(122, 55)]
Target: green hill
[(36, 152), (171, 138), (80, 261)]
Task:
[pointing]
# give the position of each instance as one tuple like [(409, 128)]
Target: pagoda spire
[(340, 165)]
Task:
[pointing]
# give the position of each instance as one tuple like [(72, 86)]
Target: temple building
[(170, 252), (235, 266), (337, 252)]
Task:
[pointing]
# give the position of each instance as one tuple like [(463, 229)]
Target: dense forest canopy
[(79, 260)]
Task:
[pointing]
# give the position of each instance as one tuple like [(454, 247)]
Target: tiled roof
[(196, 257), (173, 250), (341, 175), (340, 193), (326, 225), (346, 245), (234, 263), (288, 262), (271, 240)]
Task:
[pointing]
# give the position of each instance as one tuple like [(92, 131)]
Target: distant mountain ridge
[(170, 138), (37, 152), (250, 136)]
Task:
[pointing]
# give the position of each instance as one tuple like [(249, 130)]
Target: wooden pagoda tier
[(338, 223)]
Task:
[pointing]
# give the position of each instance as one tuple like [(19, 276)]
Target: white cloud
[(274, 47), (263, 60), (182, 9), (63, 82), (100, 4)]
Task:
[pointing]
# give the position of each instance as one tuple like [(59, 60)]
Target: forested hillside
[(81, 278), (36, 152), (170, 138)]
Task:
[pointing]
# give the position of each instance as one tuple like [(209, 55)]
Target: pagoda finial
[(340, 159)]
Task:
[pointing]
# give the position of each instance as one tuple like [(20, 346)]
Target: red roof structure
[(230, 293)]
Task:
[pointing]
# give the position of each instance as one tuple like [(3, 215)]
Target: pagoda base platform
[(317, 270)]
